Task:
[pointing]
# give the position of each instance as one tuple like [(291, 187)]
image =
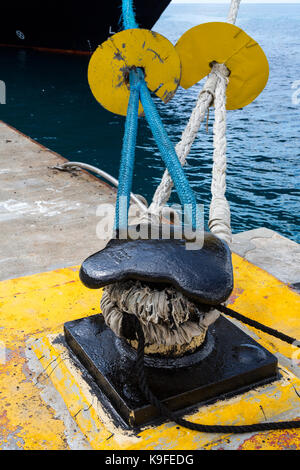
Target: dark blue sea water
[(48, 98)]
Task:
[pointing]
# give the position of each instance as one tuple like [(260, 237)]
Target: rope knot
[(211, 93), (221, 71)]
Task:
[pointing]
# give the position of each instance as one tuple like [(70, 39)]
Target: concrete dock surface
[(48, 217), (270, 251)]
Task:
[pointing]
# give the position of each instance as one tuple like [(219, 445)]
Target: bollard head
[(204, 275)]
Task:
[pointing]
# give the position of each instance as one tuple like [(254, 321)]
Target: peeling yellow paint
[(264, 298), (26, 422), (109, 66), (33, 309)]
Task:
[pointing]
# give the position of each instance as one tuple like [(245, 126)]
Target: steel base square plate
[(229, 362)]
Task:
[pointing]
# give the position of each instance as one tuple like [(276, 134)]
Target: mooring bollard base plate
[(233, 363)]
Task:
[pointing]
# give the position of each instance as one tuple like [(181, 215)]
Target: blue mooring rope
[(138, 89), (128, 151), (128, 15), (168, 153)]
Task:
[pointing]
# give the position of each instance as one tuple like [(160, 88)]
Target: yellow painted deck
[(45, 403)]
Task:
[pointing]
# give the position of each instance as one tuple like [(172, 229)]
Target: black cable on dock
[(235, 429)]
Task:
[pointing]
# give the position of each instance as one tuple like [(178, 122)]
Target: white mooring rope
[(233, 11), (205, 99), (219, 220), (168, 318), (219, 212)]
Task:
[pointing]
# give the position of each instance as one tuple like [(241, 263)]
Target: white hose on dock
[(103, 174)]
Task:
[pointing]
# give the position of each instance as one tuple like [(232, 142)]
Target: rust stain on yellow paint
[(276, 440), (34, 308), (110, 64), (29, 307)]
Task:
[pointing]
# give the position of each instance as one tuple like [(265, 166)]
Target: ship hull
[(70, 26)]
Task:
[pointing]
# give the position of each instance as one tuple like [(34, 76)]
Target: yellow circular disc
[(109, 67), (226, 44)]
